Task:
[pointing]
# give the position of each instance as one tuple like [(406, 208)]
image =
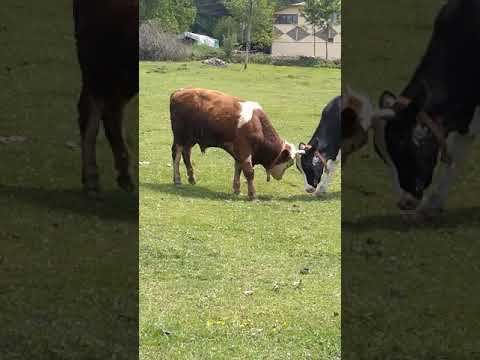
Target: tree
[(322, 14), (174, 15), (254, 18)]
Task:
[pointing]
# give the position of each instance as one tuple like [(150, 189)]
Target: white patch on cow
[(293, 149), (366, 111), (308, 188), (459, 147), (246, 112), (327, 175), (474, 128), (277, 170)]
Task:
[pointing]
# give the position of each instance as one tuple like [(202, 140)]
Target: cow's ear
[(350, 124), (285, 155), (387, 100)]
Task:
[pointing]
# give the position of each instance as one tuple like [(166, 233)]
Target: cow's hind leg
[(186, 153), (236, 178), (112, 121), (176, 156), (89, 116)]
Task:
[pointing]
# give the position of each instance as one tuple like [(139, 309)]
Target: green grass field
[(406, 286), (68, 267), (202, 250)]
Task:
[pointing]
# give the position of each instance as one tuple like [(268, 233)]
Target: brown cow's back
[(202, 116)]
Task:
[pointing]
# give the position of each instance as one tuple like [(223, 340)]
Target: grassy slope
[(407, 284), (201, 247), (66, 264)]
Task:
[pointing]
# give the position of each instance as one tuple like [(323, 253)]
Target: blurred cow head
[(409, 141)]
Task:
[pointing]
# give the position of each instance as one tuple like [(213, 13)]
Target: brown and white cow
[(106, 34), (211, 118)]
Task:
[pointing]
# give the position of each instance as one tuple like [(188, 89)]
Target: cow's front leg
[(460, 146), (236, 177), (326, 178), (90, 112), (247, 169)]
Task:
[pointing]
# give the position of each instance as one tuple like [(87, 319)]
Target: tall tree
[(322, 14), (261, 19), (174, 15)]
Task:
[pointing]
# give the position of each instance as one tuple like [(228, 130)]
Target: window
[(287, 19)]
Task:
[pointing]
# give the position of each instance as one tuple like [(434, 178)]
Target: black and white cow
[(343, 129), (438, 113), (318, 163)]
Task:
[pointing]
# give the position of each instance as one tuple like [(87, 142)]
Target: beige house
[(293, 36)]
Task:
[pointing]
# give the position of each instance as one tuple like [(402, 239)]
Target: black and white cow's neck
[(327, 137), (449, 68)]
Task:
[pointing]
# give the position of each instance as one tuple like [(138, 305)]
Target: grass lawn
[(68, 267), (219, 275), (406, 286)]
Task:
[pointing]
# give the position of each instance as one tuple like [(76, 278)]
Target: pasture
[(68, 266), (222, 277), (407, 284)]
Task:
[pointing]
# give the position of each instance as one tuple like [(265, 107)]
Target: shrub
[(203, 52), (255, 58), (157, 45), (304, 61)]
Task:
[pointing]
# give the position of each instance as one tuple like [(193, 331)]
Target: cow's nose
[(309, 189)]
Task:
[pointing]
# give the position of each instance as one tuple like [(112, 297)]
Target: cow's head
[(408, 140), (283, 161), (357, 112), (311, 165)]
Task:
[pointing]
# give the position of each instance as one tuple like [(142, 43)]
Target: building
[(192, 38), (293, 36)]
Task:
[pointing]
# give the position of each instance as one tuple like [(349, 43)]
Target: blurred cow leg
[(176, 156), (236, 178), (90, 113), (112, 121), (186, 153), (248, 171)]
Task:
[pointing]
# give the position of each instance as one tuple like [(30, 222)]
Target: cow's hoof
[(236, 192), (125, 183), (192, 180), (428, 214), (252, 197)]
